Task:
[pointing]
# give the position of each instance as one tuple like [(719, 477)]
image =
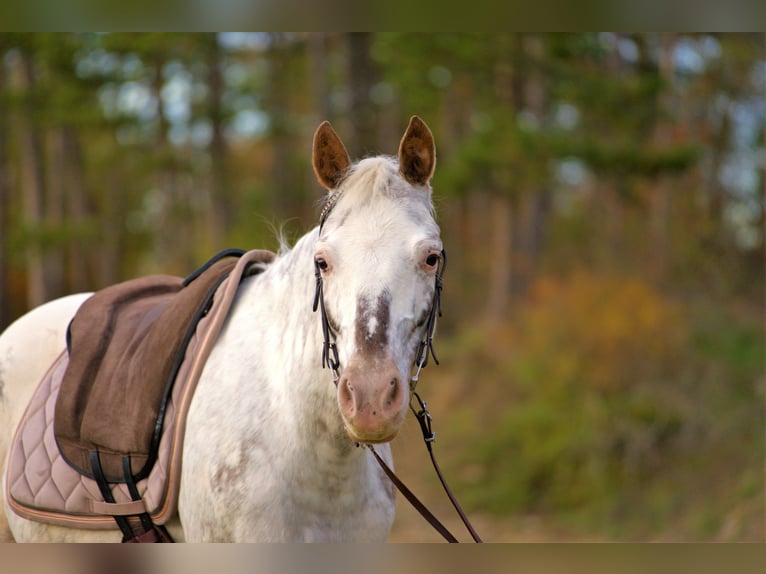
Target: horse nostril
[(346, 392), (393, 392)]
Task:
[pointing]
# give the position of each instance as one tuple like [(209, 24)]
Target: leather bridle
[(331, 361)]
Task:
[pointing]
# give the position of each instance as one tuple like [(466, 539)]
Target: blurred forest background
[(601, 198)]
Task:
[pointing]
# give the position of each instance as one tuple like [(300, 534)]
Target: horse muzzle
[(372, 397)]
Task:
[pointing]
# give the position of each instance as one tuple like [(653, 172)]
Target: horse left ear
[(330, 158), (417, 153)]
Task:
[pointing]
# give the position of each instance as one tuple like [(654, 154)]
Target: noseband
[(331, 361)]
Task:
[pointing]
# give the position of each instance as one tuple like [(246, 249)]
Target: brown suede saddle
[(99, 445)]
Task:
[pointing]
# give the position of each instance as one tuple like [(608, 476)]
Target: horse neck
[(293, 340)]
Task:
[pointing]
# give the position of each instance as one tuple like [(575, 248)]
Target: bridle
[(331, 361)]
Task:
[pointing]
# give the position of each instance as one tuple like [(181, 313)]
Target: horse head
[(377, 258)]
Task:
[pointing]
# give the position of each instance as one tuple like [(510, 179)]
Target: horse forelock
[(375, 177)]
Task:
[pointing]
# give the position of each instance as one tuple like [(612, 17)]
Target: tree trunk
[(78, 211), (5, 206), (534, 202), (174, 250), (221, 204), (662, 137), (109, 248), (33, 187), (363, 75), (508, 87), (316, 51), (54, 212), (281, 174), (319, 89), (499, 265)]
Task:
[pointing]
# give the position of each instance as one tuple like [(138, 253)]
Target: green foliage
[(628, 158), (48, 237), (740, 347), (421, 81)]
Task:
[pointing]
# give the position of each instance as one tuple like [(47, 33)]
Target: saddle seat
[(103, 434)]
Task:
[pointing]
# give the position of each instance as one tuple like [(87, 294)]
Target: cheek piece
[(329, 348), (426, 346)]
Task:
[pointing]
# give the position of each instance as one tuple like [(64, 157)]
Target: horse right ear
[(330, 158), (417, 153)]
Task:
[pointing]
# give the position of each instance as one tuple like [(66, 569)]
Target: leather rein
[(331, 361)]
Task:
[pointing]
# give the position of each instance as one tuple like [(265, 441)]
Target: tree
[(5, 199), (362, 76), (33, 181)]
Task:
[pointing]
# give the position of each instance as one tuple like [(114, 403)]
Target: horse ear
[(330, 158), (417, 153)]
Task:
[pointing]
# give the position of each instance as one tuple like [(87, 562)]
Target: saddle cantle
[(101, 438)]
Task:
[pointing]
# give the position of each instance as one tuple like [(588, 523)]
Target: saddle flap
[(126, 344)]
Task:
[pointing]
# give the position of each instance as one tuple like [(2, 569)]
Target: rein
[(330, 360)]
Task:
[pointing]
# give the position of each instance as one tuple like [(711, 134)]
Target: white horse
[(271, 449)]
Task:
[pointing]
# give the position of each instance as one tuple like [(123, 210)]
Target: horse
[(272, 446)]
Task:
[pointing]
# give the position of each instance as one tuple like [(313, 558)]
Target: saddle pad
[(125, 345), (42, 486)]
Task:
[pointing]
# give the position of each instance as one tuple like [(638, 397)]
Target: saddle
[(100, 443)]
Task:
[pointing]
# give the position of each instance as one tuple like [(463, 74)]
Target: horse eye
[(322, 264), (432, 260)]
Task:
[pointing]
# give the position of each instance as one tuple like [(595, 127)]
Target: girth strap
[(135, 526), (106, 492)]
